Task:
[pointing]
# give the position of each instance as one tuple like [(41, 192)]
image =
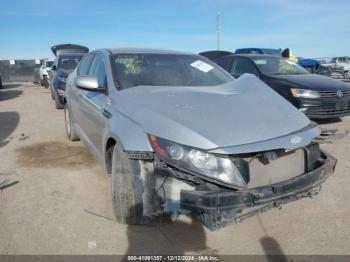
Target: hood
[(313, 82), (240, 112)]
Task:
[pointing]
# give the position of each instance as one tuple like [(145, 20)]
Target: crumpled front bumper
[(221, 208)]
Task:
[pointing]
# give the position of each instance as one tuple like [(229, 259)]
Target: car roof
[(251, 55), (256, 48), (145, 51)]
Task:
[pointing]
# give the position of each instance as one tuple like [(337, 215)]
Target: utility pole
[(218, 28)]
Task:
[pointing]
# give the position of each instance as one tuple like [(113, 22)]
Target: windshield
[(167, 70), (271, 51), (278, 66), (49, 63), (69, 62)]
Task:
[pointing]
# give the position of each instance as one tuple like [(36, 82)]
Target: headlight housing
[(304, 93), (221, 169)]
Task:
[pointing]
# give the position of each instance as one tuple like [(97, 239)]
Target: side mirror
[(54, 67), (88, 83)]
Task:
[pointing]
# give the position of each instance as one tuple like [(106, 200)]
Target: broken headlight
[(212, 166)]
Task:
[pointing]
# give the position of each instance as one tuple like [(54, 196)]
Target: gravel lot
[(62, 203)]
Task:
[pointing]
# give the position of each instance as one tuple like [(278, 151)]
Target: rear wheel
[(45, 82), (70, 130), (133, 189), (58, 103)]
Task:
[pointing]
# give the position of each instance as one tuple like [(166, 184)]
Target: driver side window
[(84, 65)]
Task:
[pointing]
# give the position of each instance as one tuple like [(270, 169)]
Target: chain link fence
[(20, 70)]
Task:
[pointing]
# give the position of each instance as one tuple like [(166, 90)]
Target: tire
[(133, 189), (45, 82), (52, 89), (70, 131), (58, 104)]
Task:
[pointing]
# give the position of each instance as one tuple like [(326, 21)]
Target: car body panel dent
[(213, 117)]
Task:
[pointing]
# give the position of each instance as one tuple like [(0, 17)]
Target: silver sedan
[(178, 134)]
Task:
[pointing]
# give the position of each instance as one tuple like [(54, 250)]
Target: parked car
[(316, 95), (310, 65), (314, 66), (0, 82), (323, 70), (67, 58), (266, 51), (44, 73), (179, 134)]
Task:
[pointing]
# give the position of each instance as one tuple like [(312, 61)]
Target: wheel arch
[(127, 135)]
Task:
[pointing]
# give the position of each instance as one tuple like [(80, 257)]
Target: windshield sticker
[(261, 62), (200, 65)]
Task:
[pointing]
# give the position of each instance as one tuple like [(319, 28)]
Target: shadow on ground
[(9, 94), (168, 238), (272, 250), (8, 123), (11, 85)]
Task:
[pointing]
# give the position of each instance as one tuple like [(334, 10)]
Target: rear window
[(49, 63), (69, 62)]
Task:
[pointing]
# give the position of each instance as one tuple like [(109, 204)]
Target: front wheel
[(134, 196)]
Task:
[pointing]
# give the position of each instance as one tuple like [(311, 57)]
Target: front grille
[(333, 93), (328, 111)]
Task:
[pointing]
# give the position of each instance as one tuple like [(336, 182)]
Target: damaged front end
[(227, 188)]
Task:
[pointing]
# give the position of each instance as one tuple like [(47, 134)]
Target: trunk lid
[(68, 49)]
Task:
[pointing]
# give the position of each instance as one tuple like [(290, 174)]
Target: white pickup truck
[(44, 73), (340, 65)]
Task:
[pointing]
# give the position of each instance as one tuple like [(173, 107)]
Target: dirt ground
[(62, 203)]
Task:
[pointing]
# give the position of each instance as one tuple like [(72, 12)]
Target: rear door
[(93, 117)]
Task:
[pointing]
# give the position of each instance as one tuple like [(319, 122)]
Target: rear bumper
[(221, 208)]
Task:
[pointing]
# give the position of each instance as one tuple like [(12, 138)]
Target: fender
[(126, 132)]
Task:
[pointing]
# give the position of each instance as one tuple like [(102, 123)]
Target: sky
[(310, 28)]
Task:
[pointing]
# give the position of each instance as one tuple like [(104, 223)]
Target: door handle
[(107, 114)]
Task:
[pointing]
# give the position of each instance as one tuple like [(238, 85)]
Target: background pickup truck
[(340, 65)]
